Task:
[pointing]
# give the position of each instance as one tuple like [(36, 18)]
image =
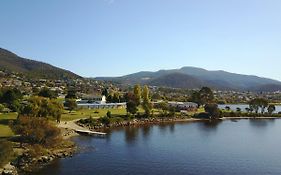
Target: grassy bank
[(86, 113), (5, 130)]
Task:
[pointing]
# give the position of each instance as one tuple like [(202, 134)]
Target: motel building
[(98, 102)]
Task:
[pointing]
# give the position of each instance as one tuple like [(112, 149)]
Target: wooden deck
[(88, 132)]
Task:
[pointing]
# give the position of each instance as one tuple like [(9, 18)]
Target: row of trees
[(33, 123), (140, 96), (260, 104)]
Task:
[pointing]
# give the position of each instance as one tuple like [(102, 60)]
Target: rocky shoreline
[(25, 163), (147, 121), (138, 122)]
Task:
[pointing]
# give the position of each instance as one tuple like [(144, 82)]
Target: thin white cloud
[(109, 1)]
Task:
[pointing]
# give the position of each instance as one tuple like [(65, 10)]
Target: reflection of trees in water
[(131, 133), (172, 128), (164, 127), (210, 125), (146, 131), (261, 123)]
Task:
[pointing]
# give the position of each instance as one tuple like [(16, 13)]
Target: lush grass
[(5, 130), (86, 113)]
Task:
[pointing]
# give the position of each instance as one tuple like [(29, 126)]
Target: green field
[(86, 113), (5, 130)]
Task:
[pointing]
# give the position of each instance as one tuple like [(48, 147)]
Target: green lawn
[(86, 113), (5, 130)]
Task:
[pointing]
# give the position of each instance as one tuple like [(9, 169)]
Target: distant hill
[(216, 79), (177, 80), (33, 69), (268, 88)]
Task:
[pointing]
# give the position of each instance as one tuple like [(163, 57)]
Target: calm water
[(249, 147)]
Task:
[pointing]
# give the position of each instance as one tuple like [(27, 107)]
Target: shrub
[(6, 152), (105, 120), (35, 130)]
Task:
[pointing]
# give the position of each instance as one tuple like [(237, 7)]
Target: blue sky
[(117, 37)]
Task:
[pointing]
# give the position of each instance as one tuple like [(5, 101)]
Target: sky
[(117, 37)]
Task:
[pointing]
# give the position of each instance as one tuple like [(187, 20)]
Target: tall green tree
[(213, 110), (42, 107), (11, 98), (206, 96), (263, 103), (254, 105), (105, 92), (71, 94), (132, 107), (137, 94), (271, 109), (70, 104), (146, 104), (47, 93)]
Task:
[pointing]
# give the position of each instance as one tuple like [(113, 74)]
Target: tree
[(131, 103), (271, 109), (257, 103), (70, 104), (213, 110), (34, 130), (42, 107), (105, 92), (195, 97), (238, 109), (227, 108), (2, 107), (254, 105), (146, 104), (12, 97), (164, 106), (108, 114), (248, 110), (206, 96), (263, 103), (116, 98), (47, 93), (137, 94), (71, 94)]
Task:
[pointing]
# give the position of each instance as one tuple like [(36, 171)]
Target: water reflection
[(166, 127), (146, 131), (210, 125), (261, 123), (131, 133)]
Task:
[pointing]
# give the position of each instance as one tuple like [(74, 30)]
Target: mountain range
[(10, 62), (185, 77), (192, 77)]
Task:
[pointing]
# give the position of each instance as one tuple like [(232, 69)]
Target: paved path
[(72, 125)]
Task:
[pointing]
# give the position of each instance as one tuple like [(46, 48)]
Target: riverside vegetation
[(140, 111), (32, 139)]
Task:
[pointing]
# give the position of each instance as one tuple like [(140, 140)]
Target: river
[(249, 147)]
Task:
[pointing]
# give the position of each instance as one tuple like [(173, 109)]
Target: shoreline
[(24, 163), (152, 121)]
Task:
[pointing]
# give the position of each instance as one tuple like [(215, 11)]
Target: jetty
[(78, 129), (88, 132)]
